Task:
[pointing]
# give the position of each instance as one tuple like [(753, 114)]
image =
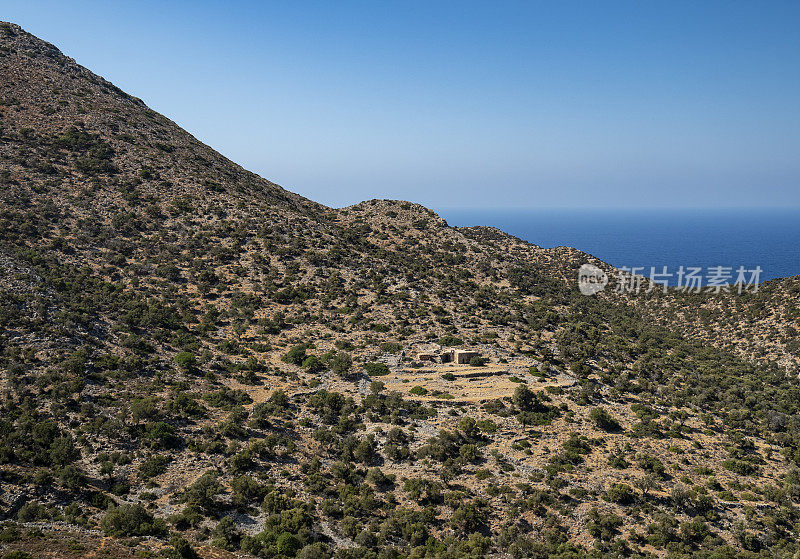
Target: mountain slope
[(189, 350)]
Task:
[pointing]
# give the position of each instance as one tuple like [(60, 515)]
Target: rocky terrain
[(197, 362)]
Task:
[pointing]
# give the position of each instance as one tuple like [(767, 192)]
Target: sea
[(768, 239)]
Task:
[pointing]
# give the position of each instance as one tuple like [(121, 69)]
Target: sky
[(467, 104)]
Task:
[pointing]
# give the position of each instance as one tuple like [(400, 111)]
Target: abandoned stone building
[(457, 356)]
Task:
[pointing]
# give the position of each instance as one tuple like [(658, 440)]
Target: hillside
[(195, 358)]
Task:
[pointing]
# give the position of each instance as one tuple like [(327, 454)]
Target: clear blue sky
[(465, 104)]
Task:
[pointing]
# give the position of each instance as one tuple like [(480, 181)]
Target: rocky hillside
[(194, 360)]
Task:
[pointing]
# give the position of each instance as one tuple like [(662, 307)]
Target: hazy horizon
[(672, 237)]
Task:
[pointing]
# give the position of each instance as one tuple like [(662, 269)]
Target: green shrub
[(620, 493), (186, 361), (450, 340), (246, 491), (72, 478), (650, 464), (391, 347), (470, 516), (313, 364), (603, 526), (487, 425), (181, 549), (296, 355), (604, 420), (226, 536), (161, 435), (153, 466), (339, 362), (202, 493), (132, 520), (741, 467), (376, 369), (32, 511), (227, 399)]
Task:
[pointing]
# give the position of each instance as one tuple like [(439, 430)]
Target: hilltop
[(194, 357)]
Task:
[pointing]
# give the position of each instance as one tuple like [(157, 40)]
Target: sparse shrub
[(650, 463), (449, 341), (741, 467), (604, 420), (376, 369), (186, 361), (296, 355), (153, 466), (132, 520), (32, 511), (202, 493), (226, 535), (313, 364), (339, 362), (620, 493), (181, 549)]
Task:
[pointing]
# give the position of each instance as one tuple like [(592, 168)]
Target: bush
[(313, 364), (524, 398), (153, 466), (72, 478), (339, 362), (288, 544), (226, 536), (62, 451), (450, 341), (487, 426), (604, 420), (186, 361), (376, 386), (97, 153), (296, 355), (376, 369), (603, 526), (531, 407), (471, 516), (741, 467), (132, 520), (620, 493), (33, 511), (181, 549), (227, 399), (246, 491), (161, 435), (650, 464), (202, 493)]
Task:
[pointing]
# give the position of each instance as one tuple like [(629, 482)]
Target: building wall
[(462, 357)]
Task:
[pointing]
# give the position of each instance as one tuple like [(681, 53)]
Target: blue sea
[(769, 238)]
